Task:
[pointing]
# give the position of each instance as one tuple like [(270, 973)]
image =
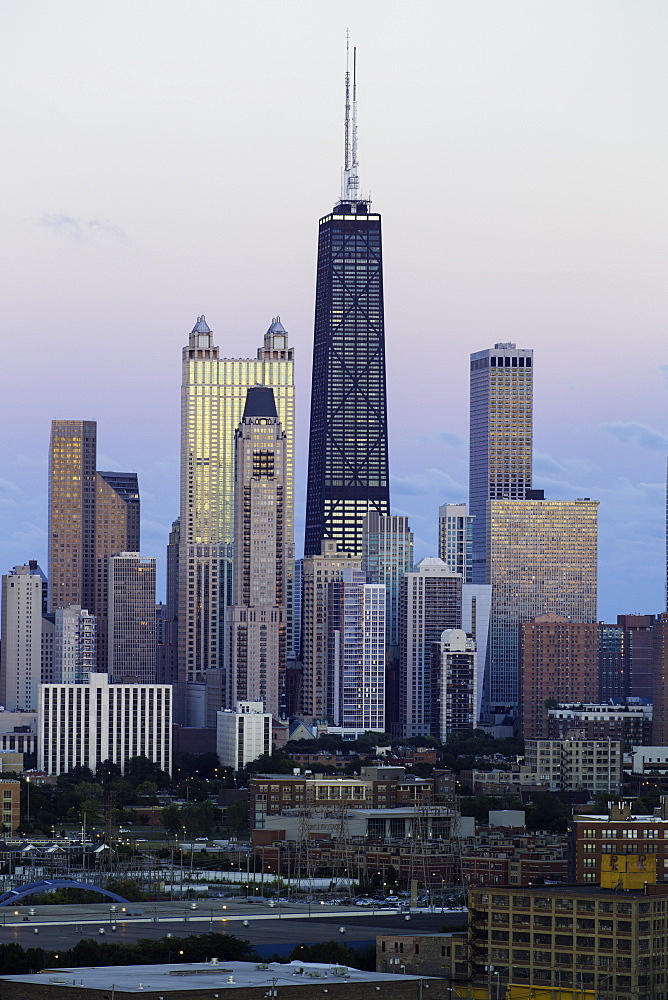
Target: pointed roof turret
[(201, 326)]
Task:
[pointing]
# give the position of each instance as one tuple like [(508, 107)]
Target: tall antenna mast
[(350, 180)]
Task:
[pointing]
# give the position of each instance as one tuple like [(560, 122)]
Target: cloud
[(445, 437), (544, 464), (78, 229), (426, 483), (636, 433)]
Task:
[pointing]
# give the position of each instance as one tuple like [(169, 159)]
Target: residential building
[(82, 725), (431, 601), (621, 830), (75, 646), (501, 438), (213, 398), (348, 454), (558, 663), (454, 680), (610, 943), (10, 796), (356, 652), (476, 609), (638, 653), (455, 539), (243, 734), (576, 763), (541, 558), (21, 650), (72, 483), (659, 655), (257, 618), (317, 573), (117, 529), (630, 724), (444, 955), (131, 630)]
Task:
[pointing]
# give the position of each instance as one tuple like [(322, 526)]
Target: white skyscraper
[(455, 538), (456, 682), (431, 601), (21, 651), (213, 396), (356, 652)]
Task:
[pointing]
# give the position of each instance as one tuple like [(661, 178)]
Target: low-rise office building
[(576, 764)]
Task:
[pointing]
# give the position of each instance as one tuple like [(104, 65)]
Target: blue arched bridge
[(12, 895)]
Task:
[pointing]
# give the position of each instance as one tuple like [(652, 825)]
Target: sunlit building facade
[(501, 436), (72, 456), (212, 401), (541, 558)]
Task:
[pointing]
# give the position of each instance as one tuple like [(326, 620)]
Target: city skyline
[(536, 232)]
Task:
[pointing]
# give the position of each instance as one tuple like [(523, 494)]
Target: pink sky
[(168, 159)]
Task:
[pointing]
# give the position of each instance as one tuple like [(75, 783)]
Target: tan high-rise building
[(317, 573), (256, 630), (72, 455), (541, 558), (213, 396), (558, 664), (501, 437), (117, 512), (21, 648)]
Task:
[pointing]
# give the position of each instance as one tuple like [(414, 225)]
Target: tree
[(200, 818), (237, 817), (140, 769), (546, 811), (335, 953), (170, 817)]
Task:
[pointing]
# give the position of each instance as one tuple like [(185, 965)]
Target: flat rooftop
[(163, 979)]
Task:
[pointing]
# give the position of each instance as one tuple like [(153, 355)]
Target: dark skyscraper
[(348, 464)]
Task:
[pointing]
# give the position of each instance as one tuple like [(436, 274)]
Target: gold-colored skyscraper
[(541, 558), (213, 396), (501, 436), (72, 454)]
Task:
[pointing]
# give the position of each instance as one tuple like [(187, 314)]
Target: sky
[(168, 159)]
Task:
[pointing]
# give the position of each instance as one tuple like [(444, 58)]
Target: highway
[(285, 925)]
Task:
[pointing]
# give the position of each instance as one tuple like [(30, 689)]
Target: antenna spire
[(350, 181)]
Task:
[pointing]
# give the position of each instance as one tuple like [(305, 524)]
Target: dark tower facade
[(348, 461)]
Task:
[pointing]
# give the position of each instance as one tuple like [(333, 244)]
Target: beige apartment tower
[(256, 629), (318, 572), (213, 397)]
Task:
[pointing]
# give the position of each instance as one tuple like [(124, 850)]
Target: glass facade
[(387, 553), (541, 558), (131, 624), (348, 460), (501, 436), (455, 539)]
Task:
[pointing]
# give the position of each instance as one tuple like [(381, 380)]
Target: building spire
[(350, 180)]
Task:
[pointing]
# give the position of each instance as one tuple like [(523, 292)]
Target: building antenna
[(350, 184)]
